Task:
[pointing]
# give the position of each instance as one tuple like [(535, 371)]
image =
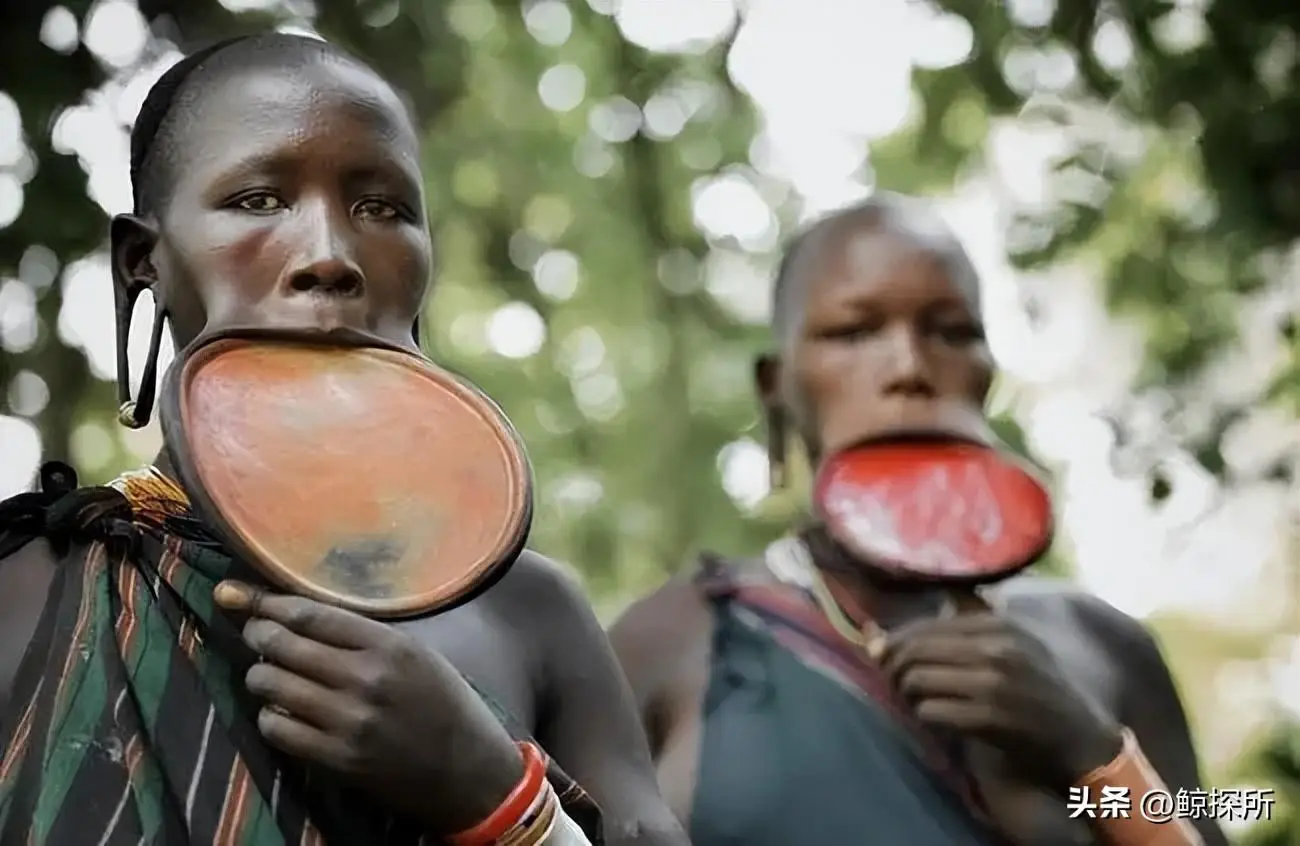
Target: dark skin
[(299, 206), (883, 334)]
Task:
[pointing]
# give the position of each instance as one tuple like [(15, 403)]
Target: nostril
[(912, 386), (349, 286), (303, 282), (341, 285)]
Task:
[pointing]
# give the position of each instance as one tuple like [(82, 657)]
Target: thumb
[(236, 596)]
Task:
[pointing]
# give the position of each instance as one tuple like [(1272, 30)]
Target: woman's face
[(887, 339), (296, 203)]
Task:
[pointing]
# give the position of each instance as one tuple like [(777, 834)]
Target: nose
[(326, 266), (909, 374), (330, 277)]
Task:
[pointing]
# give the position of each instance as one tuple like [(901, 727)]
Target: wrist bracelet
[(565, 832), (528, 794), (1132, 774), (538, 824)]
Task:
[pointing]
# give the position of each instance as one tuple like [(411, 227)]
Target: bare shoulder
[(538, 589), (514, 623), (1103, 649), (675, 613), (535, 587), (542, 607), (1051, 599), (510, 638), (654, 633), (663, 642)]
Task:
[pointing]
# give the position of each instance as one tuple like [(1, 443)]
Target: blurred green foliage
[(1180, 184), (1277, 760)]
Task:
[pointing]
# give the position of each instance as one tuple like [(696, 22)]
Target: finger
[(232, 598), (301, 698), (966, 625), (304, 741), (301, 655), (958, 625), (307, 617), (944, 650), (935, 682), (957, 715), (236, 596)]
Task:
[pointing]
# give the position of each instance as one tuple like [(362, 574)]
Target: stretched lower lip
[(919, 433), (285, 332), (910, 425)]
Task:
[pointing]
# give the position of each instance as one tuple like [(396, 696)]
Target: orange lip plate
[(366, 478)]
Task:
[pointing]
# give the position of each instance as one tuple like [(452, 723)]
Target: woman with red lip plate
[(277, 186), (771, 721)]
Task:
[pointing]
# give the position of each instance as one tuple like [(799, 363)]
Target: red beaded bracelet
[(509, 813)]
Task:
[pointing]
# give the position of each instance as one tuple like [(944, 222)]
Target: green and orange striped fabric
[(128, 723)]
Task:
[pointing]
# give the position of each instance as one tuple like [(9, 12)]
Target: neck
[(889, 603), (163, 464)]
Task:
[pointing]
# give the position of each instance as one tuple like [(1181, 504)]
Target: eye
[(960, 334), (844, 333), (260, 202), (374, 208), (851, 331)]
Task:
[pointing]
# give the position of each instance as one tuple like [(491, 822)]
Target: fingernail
[(231, 596)]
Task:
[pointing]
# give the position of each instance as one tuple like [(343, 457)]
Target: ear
[(985, 379), (767, 380), (131, 242)]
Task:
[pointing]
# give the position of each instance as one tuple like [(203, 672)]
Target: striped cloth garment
[(128, 723)]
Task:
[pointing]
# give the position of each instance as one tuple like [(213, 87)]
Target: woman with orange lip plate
[(277, 188)]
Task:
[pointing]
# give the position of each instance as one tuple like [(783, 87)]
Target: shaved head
[(908, 218), (178, 98)]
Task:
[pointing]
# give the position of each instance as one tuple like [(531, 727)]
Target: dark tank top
[(801, 745)]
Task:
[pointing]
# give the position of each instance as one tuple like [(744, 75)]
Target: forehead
[(323, 111), (888, 263)]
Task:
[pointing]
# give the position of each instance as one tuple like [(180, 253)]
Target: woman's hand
[(367, 701), (981, 677)]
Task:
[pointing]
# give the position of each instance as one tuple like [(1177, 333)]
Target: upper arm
[(25, 579), (589, 721), (1152, 708), (653, 640)]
